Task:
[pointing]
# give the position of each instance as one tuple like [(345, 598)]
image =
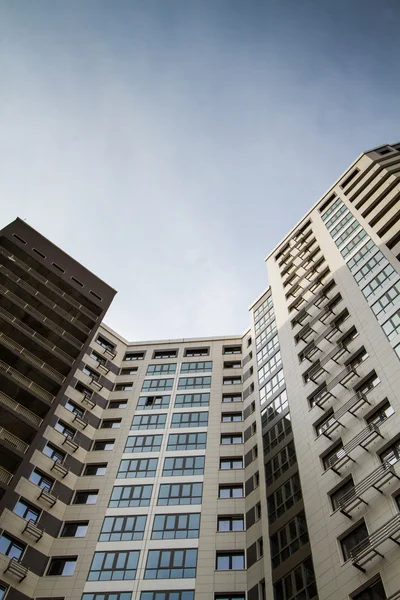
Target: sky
[(169, 145)]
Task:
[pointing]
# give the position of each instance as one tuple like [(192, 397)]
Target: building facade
[(244, 467)]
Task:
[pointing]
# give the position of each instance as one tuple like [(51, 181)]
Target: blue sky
[(168, 145)]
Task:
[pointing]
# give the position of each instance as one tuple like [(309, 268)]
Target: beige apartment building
[(250, 467)]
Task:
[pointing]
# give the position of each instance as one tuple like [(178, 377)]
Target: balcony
[(307, 330), (17, 568), (26, 382), (70, 443), (31, 358), (311, 275), (96, 385), (325, 391), (5, 476), (79, 421), (48, 496), (108, 351), (316, 301), (368, 548), (353, 405), (343, 455), (302, 253), (376, 480), (302, 265), (59, 468), (13, 441), (103, 368), (20, 409), (33, 530)]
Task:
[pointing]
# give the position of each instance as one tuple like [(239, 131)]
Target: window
[(231, 491), (284, 498), (289, 539), (10, 546), (197, 351), (232, 364), (272, 386), (329, 458), (361, 255), (108, 596), (105, 343), (153, 385), (111, 566), (149, 421), (143, 443), (189, 419), (164, 369), (264, 320), (383, 412), (353, 243), (230, 561), (387, 301), (165, 354), (90, 372), (379, 281), (326, 422), (189, 383), (41, 480), (231, 438), (62, 567), (342, 223), (352, 539), (192, 400), (4, 589), (111, 424), (369, 383), (272, 345), (95, 469), (374, 591), (263, 307), (173, 595), (277, 433), (392, 454), (231, 417), (74, 408), (232, 380), (63, 428), (171, 564), (183, 465), (232, 398), (368, 267), (103, 445), (187, 441), (54, 453), (124, 496), (118, 404), (270, 366), (327, 213), (100, 359), (137, 467), (274, 408), (123, 387), (392, 326), (299, 583), (196, 367), (173, 494), (344, 489), (231, 523), (397, 350), (172, 527), (123, 529), (27, 511), (74, 529), (231, 463), (230, 596), (129, 371), (264, 335), (232, 350), (337, 215), (150, 402), (134, 356), (349, 178), (86, 497), (280, 463)]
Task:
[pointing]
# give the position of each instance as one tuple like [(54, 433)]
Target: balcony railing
[(322, 316), (291, 262), (377, 479), (33, 530), (31, 332), (302, 265), (353, 405), (13, 440), (70, 443), (59, 468), (322, 394), (311, 275), (316, 301), (343, 455), (108, 352), (31, 358), (5, 476), (79, 421), (86, 399), (49, 284), (20, 378), (20, 409), (48, 496), (17, 568), (41, 317), (395, 596), (368, 548)]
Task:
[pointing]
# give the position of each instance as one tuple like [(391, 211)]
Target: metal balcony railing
[(311, 275), (31, 358), (108, 352), (33, 530), (316, 301), (13, 440), (86, 399), (79, 421), (20, 409), (48, 496), (70, 443), (322, 316), (377, 479), (49, 284), (103, 367), (368, 548), (17, 568), (20, 378), (322, 394), (4, 314), (59, 468), (343, 455), (355, 403), (41, 317), (290, 263), (5, 476), (302, 265)]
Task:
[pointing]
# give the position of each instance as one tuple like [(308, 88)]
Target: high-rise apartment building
[(247, 467)]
